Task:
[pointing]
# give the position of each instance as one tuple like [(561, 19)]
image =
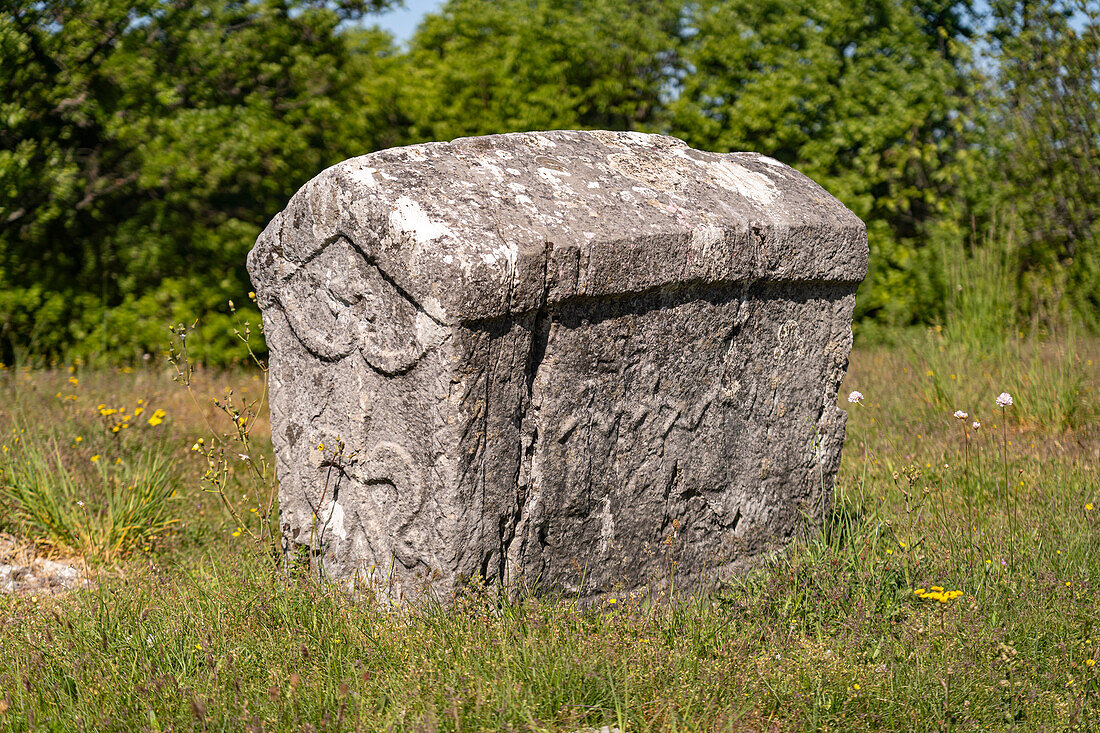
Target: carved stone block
[(574, 360)]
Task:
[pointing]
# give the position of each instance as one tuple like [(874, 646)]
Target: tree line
[(143, 145)]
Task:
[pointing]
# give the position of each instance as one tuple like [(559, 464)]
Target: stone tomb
[(585, 361)]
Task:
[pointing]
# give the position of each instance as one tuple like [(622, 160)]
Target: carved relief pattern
[(338, 302)]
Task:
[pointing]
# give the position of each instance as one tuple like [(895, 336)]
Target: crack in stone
[(528, 425)]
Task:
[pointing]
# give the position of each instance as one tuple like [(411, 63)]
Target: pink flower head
[(1004, 399), (855, 397), (961, 415)]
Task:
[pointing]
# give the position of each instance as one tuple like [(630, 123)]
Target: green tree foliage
[(485, 66), (858, 94), (143, 146), (1044, 143)]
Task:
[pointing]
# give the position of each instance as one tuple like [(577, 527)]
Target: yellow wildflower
[(937, 593), (1090, 662), (1088, 507), (95, 458)]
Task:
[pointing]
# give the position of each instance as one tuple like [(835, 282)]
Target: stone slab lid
[(481, 227)]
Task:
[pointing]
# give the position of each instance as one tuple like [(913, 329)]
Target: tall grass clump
[(85, 468), (100, 511), (984, 340)]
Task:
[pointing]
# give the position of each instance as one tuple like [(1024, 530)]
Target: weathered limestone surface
[(557, 360)]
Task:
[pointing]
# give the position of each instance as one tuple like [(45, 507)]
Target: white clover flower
[(976, 424), (961, 415), (855, 397), (1004, 399)]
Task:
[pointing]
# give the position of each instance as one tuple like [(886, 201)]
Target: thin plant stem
[(969, 493), (1004, 456)]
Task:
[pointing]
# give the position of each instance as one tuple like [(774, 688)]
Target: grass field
[(187, 627)]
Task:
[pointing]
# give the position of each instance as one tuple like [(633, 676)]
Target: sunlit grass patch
[(829, 634)]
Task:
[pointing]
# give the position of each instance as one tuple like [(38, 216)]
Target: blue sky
[(402, 22)]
